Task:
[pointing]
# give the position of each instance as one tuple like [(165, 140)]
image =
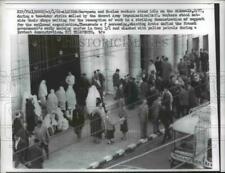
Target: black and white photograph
[(111, 102)]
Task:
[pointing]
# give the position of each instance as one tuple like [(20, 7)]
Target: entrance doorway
[(51, 58), (195, 43)]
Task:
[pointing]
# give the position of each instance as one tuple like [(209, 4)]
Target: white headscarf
[(70, 79)]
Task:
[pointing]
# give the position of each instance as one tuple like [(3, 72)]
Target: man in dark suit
[(101, 79), (78, 120), (158, 66), (116, 81), (166, 70)]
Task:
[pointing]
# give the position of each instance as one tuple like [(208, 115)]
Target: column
[(178, 49), (189, 46), (148, 49), (134, 55), (20, 70), (116, 52), (200, 42), (91, 54), (184, 44)]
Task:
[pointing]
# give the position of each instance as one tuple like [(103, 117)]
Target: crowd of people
[(161, 93)]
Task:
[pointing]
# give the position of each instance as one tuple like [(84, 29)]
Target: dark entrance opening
[(51, 58)]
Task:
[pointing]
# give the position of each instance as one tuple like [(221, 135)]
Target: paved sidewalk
[(69, 153)]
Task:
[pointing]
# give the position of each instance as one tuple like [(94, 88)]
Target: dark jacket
[(96, 124), (116, 80), (30, 116), (101, 78), (78, 118)]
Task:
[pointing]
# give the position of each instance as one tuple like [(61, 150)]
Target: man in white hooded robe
[(52, 102), (61, 95)]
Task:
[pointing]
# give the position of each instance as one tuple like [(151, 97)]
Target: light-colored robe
[(61, 95), (93, 94), (42, 92), (70, 98), (37, 107), (52, 103)]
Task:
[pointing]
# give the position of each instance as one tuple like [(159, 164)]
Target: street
[(67, 152), (151, 155)]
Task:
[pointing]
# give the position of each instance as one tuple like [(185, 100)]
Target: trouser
[(115, 92), (155, 123), (167, 131), (183, 110), (78, 130), (45, 147), (144, 130)]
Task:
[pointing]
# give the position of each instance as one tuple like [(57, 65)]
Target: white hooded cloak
[(70, 98), (42, 92), (52, 102), (61, 95), (93, 94), (37, 107)]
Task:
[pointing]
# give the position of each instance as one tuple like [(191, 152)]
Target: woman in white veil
[(70, 98), (42, 92), (61, 95), (93, 94), (37, 107), (52, 102)]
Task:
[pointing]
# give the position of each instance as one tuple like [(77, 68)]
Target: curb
[(121, 152)]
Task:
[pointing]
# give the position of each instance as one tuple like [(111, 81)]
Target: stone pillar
[(184, 44), (200, 42), (20, 70), (178, 49), (91, 54), (116, 53), (147, 53), (150, 45), (134, 55), (189, 46)]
